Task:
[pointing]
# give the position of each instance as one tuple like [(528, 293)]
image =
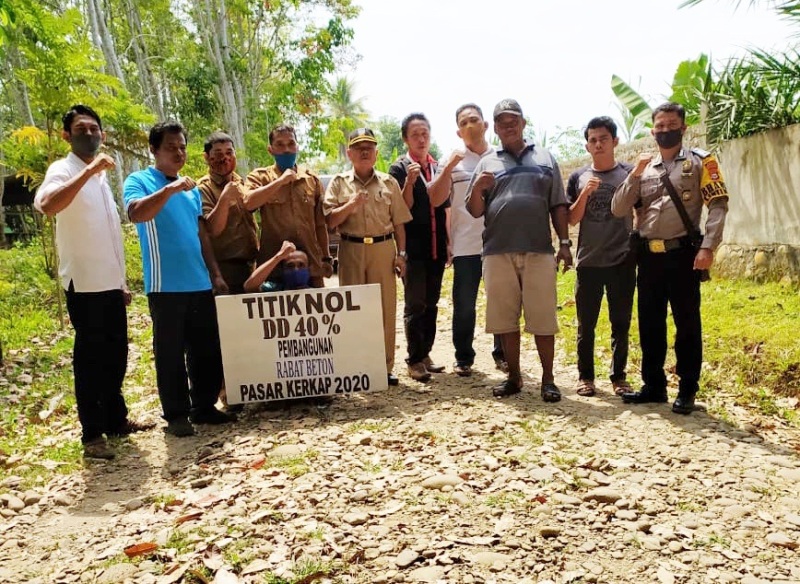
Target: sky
[(555, 57)]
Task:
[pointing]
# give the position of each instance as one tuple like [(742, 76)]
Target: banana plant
[(636, 113)]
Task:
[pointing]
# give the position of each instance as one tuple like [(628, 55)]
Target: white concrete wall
[(762, 173)]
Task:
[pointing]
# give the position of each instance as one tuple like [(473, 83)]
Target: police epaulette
[(701, 153)]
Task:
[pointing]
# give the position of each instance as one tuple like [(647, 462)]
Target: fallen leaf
[(173, 574), (188, 517), (200, 576), (140, 549), (258, 463), (255, 567), (311, 578), (223, 576)]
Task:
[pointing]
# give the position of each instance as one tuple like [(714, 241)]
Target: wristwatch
[(402, 254), (566, 242)]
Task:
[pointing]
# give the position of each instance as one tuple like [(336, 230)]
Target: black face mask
[(85, 145), (668, 139)]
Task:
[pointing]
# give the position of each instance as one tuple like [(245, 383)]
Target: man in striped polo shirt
[(519, 191)]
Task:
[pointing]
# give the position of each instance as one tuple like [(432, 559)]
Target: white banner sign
[(302, 343)]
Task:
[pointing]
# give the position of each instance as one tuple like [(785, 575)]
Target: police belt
[(665, 245), (367, 240)]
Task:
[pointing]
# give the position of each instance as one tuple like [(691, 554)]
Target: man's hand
[(184, 183), (703, 259), (400, 266), (218, 285), (288, 176), (359, 200), (484, 182), (455, 158), (232, 193), (591, 186), (127, 297), (327, 269), (564, 255), (287, 249), (414, 170), (641, 163), (100, 163)]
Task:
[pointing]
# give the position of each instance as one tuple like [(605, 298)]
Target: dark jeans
[(186, 340), (423, 285), (670, 278), (618, 282), (99, 359), (466, 282)]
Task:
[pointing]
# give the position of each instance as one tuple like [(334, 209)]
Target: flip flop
[(550, 392), (586, 388), (506, 389)]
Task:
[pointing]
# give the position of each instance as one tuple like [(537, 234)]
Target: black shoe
[(645, 395), (129, 427), (684, 404), (392, 379), (211, 416)]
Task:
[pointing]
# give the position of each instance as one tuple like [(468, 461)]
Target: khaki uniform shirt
[(294, 216), (384, 208), (239, 240), (697, 180)]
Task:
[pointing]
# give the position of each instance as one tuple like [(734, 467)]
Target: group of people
[(487, 211)]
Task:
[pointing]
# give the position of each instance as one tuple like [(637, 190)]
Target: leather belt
[(367, 240), (665, 245)]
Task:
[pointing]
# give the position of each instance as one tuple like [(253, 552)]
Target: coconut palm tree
[(346, 111)]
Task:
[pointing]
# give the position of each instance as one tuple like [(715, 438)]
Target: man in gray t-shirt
[(603, 258), (519, 191)]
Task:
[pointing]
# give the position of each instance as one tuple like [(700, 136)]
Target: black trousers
[(618, 283), (467, 272), (186, 342), (668, 278), (99, 359), (423, 285)]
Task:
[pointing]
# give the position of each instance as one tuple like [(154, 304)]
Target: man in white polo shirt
[(92, 271), (465, 235)]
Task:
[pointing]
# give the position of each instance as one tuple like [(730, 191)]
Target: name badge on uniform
[(686, 170)]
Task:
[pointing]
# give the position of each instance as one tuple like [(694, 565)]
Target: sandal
[(550, 392), (586, 388), (621, 387), (506, 389)]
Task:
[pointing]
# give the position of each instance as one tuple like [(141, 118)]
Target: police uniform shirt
[(295, 215), (384, 208), (698, 181), (239, 239)]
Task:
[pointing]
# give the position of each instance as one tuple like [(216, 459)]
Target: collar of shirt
[(429, 160), (529, 146), (351, 175), (221, 181), (658, 159)]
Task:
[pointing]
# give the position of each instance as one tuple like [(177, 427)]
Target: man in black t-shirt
[(602, 256)]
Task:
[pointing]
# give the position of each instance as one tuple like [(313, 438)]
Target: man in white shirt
[(92, 272), (465, 235)]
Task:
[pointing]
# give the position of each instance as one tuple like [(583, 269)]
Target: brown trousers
[(361, 263)]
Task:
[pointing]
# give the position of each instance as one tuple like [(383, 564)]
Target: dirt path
[(435, 482)]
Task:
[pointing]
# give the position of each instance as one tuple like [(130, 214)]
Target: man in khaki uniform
[(231, 226), (672, 259), (368, 209), (290, 200)]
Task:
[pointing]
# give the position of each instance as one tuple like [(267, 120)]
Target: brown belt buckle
[(369, 240), (656, 246)]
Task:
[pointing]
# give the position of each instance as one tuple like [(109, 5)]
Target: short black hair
[(670, 106), (216, 138), (601, 122), (280, 129), (410, 118), (79, 110), (467, 106), (158, 132)]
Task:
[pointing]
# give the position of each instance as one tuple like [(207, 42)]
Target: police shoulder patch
[(701, 153)]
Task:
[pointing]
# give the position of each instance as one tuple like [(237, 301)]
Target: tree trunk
[(152, 95)]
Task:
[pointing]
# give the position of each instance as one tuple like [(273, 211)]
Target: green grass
[(749, 338)]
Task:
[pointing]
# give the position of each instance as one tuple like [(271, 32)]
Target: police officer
[(368, 209), (671, 259)]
